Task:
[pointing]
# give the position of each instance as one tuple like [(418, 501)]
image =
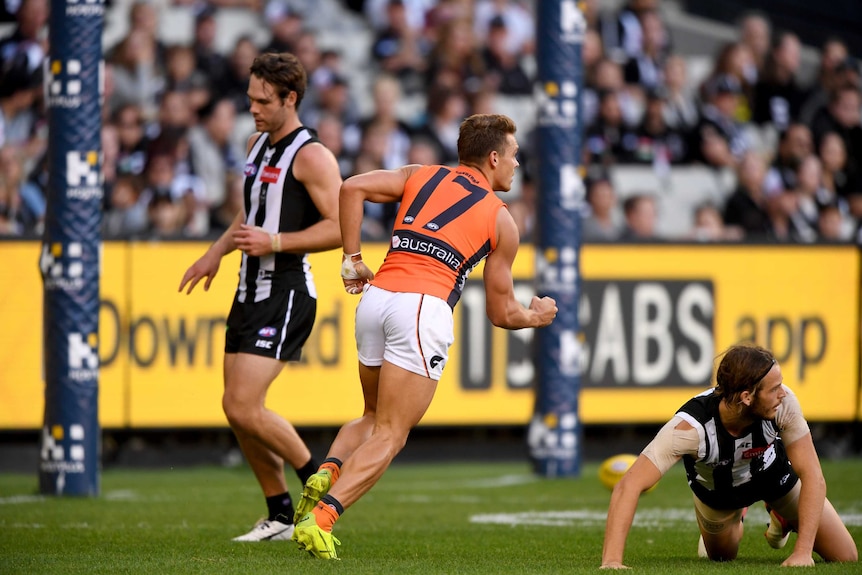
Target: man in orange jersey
[(448, 221)]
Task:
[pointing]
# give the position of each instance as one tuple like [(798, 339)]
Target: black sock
[(334, 460), (280, 505), (307, 470), (334, 503)]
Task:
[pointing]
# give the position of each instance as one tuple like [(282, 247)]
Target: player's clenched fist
[(354, 273), (545, 308)]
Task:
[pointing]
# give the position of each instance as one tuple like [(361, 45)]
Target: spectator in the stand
[(310, 56), (21, 117), (330, 131), (110, 138), (601, 223), (213, 155), (833, 155), (183, 76), (719, 140), (609, 78), (831, 224), (223, 215), (777, 96), (456, 59), (830, 74), (755, 31), (400, 49), (26, 46), (503, 69), (285, 22), (788, 223), (175, 201), (523, 210), (622, 33), (144, 16), (133, 140), (646, 69), (517, 19), (208, 59), (747, 205), (680, 108), (235, 81), (609, 138), (447, 108), (656, 143), (844, 116), (166, 218), (641, 218), (394, 131), (734, 59), (375, 12), (24, 213), (138, 73), (709, 225), (333, 99), (794, 145), (176, 112), (126, 214), (810, 192)]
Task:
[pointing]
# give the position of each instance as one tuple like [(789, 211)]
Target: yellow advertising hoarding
[(653, 317)]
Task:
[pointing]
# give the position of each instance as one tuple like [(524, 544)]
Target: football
[(613, 468)]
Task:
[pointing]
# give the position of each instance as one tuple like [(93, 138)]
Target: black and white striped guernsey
[(734, 472), (277, 202)]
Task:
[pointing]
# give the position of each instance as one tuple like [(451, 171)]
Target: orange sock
[(333, 468), (325, 516)]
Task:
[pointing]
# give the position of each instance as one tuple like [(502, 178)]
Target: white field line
[(651, 518)]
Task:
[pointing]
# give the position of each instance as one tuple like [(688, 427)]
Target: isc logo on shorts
[(262, 343)]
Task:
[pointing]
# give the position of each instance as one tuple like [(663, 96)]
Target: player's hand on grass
[(799, 560), (206, 267), (354, 273)]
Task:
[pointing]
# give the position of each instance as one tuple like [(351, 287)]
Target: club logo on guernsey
[(250, 170), (422, 245), (270, 174), (267, 332)]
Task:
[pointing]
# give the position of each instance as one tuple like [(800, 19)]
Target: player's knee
[(849, 554), (238, 415)]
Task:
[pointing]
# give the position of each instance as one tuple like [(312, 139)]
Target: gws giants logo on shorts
[(267, 332), (435, 360)]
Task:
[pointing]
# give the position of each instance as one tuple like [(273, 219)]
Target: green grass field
[(420, 518)]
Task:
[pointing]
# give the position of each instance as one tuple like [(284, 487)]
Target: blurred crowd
[(175, 116)]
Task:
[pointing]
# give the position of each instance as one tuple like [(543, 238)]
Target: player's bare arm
[(811, 498), (500, 304), (642, 475), (381, 186), (208, 264)]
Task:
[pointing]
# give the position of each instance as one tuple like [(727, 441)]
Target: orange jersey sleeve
[(446, 224)]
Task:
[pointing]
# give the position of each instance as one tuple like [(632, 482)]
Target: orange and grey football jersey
[(446, 224)]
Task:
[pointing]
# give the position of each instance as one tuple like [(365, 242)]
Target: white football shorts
[(410, 330)]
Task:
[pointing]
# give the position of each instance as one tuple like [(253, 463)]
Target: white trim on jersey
[(283, 337)]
